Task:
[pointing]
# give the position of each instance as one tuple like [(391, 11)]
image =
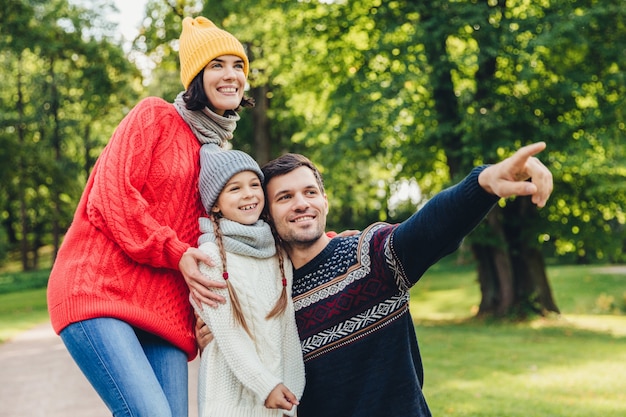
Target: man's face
[(297, 207)]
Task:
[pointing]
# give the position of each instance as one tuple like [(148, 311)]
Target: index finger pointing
[(530, 150)]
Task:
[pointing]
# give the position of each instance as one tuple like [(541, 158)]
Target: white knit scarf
[(255, 240), (208, 126)]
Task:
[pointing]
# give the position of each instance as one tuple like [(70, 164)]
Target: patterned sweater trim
[(401, 278), (380, 306), (356, 327), (358, 271)]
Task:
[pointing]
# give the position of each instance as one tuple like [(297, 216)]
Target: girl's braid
[(234, 300)]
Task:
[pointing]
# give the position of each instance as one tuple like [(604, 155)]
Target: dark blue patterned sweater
[(361, 353)]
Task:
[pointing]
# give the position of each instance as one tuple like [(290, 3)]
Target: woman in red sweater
[(119, 288)]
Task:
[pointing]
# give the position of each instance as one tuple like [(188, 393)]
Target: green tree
[(64, 79), (419, 87), (378, 93)]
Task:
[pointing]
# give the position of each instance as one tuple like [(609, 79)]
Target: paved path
[(39, 379)]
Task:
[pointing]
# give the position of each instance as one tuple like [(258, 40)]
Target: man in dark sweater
[(351, 294)]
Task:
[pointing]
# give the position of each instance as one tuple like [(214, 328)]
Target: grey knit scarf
[(254, 240), (208, 126)]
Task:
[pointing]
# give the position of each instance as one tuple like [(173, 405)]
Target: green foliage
[(376, 93), (583, 98), (157, 41), (357, 86), (11, 282), (521, 72), (65, 83)]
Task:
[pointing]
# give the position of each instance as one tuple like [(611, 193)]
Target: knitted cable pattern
[(237, 373), (120, 256)]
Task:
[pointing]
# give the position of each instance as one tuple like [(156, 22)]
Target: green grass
[(479, 370), (21, 310), (22, 300), (572, 365), (589, 290)]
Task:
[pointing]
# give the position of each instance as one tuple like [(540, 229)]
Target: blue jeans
[(136, 373)]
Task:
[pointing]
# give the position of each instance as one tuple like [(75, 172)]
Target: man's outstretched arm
[(439, 227)]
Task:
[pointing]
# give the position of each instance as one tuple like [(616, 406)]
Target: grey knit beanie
[(217, 167)]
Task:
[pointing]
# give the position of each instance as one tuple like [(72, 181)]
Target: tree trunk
[(22, 173), (495, 270), (261, 125), (445, 101), (56, 144), (532, 286), (512, 273)]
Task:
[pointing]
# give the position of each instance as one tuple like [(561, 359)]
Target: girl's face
[(242, 199), (224, 81)]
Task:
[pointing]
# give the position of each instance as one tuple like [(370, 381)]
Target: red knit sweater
[(138, 214)]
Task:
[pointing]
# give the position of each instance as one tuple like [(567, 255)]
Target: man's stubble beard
[(298, 241)]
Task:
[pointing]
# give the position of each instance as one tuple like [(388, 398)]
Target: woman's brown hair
[(195, 98)]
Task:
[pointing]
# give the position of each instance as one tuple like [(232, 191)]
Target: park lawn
[(22, 300), (572, 365), (490, 370), (21, 310)]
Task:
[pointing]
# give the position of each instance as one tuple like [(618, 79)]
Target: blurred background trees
[(394, 100)]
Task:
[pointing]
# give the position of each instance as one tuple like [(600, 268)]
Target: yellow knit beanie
[(201, 42)]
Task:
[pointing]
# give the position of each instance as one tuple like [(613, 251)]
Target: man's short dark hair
[(286, 163)]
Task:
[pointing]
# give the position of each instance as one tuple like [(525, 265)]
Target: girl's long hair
[(281, 303)]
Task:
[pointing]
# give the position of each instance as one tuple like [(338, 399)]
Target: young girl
[(254, 367)]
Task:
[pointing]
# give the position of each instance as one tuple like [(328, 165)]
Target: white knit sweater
[(238, 373)]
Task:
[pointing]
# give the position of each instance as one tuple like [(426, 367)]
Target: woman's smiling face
[(224, 81)]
